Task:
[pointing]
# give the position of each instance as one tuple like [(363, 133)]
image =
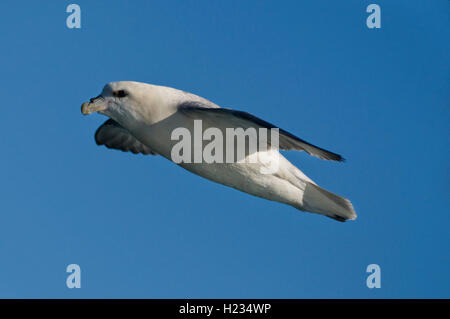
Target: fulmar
[(151, 119)]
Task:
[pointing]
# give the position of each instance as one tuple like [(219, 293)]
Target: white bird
[(144, 116)]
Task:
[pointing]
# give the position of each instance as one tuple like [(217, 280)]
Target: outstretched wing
[(112, 135), (232, 118)]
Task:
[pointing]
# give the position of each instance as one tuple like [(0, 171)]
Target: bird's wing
[(112, 135), (232, 118)]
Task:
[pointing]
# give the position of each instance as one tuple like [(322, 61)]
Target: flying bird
[(143, 118)]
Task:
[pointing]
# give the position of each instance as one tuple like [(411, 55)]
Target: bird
[(151, 119)]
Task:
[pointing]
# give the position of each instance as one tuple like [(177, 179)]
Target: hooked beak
[(95, 104)]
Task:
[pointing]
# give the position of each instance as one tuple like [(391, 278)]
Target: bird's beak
[(95, 104)]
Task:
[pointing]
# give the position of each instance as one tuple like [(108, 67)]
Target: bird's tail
[(318, 200)]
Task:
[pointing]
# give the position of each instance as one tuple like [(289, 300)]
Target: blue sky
[(141, 227)]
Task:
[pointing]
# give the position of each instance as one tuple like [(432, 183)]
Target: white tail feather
[(321, 201)]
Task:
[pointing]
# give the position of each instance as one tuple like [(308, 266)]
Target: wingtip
[(331, 157), (338, 158)]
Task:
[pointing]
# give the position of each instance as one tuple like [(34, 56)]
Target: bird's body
[(146, 116)]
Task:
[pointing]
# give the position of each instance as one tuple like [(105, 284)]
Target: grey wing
[(233, 118), (113, 135)]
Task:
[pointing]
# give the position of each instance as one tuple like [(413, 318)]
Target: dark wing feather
[(287, 141), (112, 135)]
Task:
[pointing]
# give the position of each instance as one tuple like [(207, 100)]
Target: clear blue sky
[(141, 227)]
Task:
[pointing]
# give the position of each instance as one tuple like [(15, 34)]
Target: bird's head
[(122, 100)]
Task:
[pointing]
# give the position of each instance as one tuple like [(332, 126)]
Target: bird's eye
[(120, 93)]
